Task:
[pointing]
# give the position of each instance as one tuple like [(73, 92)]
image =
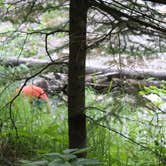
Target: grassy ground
[(119, 134)]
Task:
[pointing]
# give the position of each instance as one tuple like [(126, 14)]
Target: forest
[(82, 82)]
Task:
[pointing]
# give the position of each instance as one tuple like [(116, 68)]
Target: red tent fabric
[(34, 91)]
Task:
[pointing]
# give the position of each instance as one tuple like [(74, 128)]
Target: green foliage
[(116, 128), (67, 158), (138, 51), (43, 137), (11, 74), (1, 2), (123, 133), (158, 94), (48, 18), (38, 131), (155, 90)]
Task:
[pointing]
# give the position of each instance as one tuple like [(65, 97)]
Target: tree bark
[(76, 81)]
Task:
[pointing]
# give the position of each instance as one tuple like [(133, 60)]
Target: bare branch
[(157, 1), (124, 17)]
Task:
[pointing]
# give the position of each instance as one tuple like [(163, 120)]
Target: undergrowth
[(119, 133)]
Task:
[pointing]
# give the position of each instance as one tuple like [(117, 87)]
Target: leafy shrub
[(67, 158)]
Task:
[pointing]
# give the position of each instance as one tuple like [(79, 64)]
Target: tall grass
[(119, 134), (38, 132)]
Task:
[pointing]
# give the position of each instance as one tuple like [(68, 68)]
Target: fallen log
[(139, 73), (30, 62), (126, 73), (97, 72), (58, 65)]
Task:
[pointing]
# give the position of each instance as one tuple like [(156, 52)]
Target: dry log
[(57, 65), (98, 72), (13, 61), (126, 73), (140, 73)]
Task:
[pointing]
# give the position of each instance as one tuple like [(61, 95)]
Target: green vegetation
[(67, 158), (118, 133), (121, 130)]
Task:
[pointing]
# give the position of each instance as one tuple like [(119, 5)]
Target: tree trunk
[(76, 81)]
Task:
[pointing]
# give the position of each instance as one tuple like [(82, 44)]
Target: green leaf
[(35, 163), (70, 150), (54, 155), (23, 67), (90, 162), (25, 161), (56, 162), (68, 157), (59, 163), (81, 151)]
